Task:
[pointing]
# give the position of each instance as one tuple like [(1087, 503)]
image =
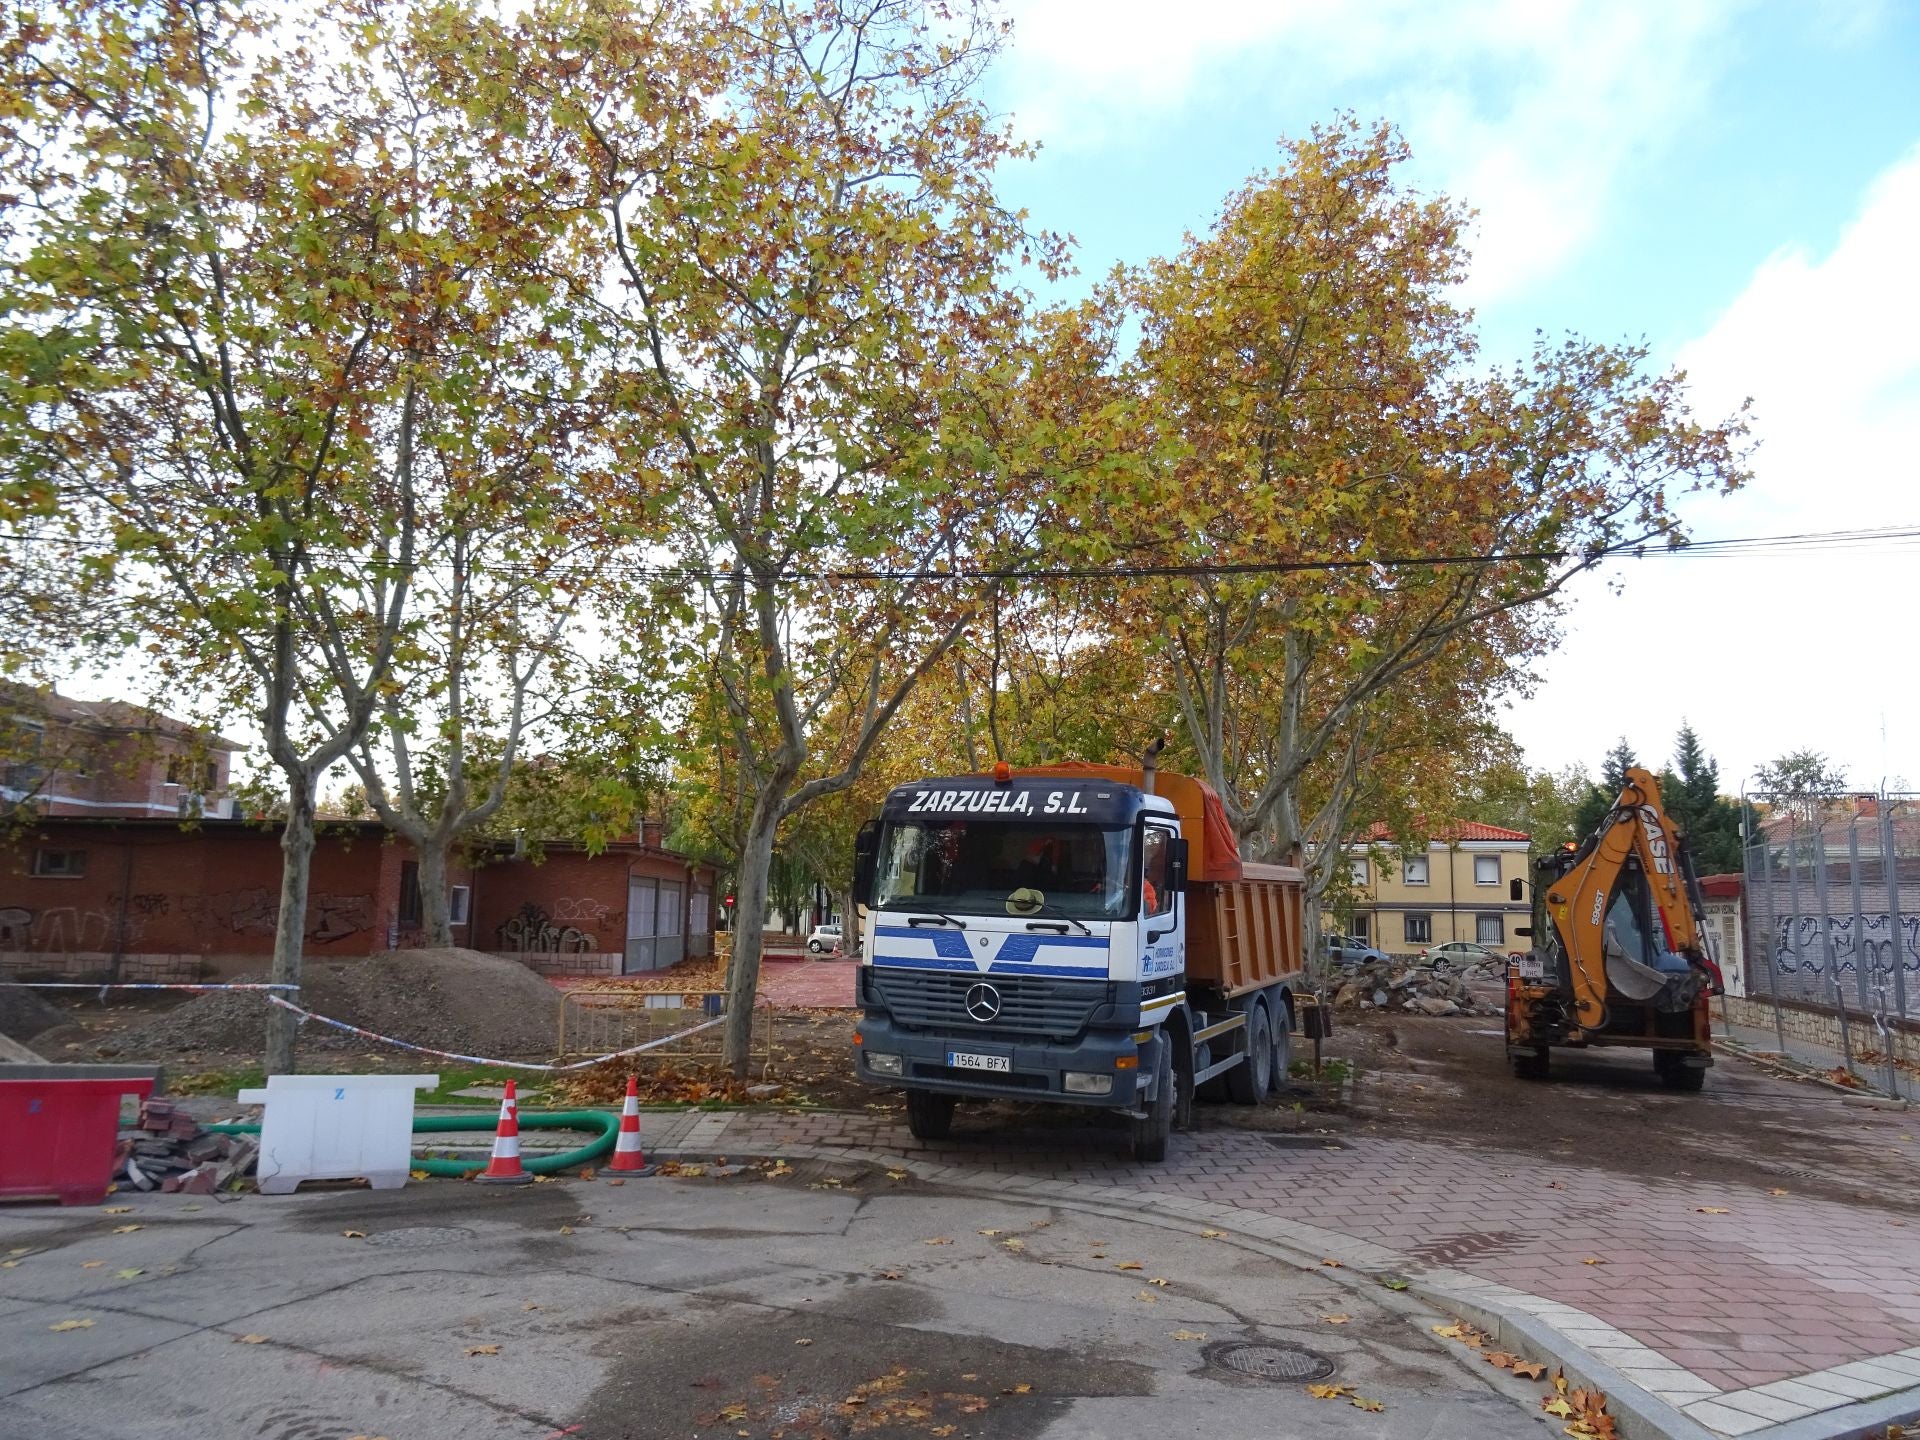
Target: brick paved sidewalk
[(809, 984), (1702, 1294)]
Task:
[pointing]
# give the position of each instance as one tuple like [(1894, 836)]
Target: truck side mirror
[(1177, 865), (866, 846), (1517, 890)]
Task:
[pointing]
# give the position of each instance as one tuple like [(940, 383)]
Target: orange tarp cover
[(1213, 851)]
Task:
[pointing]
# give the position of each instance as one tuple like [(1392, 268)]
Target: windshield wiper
[(1060, 925), (944, 918)]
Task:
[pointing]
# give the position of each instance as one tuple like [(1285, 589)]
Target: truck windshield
[(979, 866)]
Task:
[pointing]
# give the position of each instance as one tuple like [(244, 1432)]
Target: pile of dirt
[(24, 1014), (449, 999)]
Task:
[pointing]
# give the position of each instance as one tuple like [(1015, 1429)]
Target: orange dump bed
[(1213, 852)]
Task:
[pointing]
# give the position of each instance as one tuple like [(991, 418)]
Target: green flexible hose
[(605, 1121)]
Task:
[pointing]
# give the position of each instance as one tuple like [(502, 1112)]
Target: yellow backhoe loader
[(1620, 953)]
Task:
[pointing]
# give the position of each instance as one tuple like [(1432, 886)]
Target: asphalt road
[(815, 1304)]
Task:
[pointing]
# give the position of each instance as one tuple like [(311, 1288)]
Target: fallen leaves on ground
[(482, 1350), (896, 1174), (1335, 1319), (1712, 1210), (1593, 1260), (1329, 1392), (1211, 1234), (1148, 1296), (803, 1341), (249, 1339), (566, 1229), (1394, 1282), (354, 1234), (1021, 1389), (937, 1240), (1362, 1403), (127, 1274), (91, 1264), (1187, 1334), (1016, 1244), (63, 1325), (116, 1210), (1334, 1264), (1161, 1283), (1129, 1265), (1529, 1369), (888, 1275), (1557, 1406), (127, 1229), (989, 1232)]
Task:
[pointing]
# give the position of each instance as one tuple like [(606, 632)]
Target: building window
[(1490, 929), (1359, 871), (1416, 872), (1360, 926), (459, 898), (211, 780), (60, 864), (1486, 869), (1419, 929), (409, 916)]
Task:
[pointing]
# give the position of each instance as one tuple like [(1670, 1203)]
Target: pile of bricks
[(170, 1152)]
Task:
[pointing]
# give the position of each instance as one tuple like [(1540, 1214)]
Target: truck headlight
[(883, 1064), (1080, 1083)]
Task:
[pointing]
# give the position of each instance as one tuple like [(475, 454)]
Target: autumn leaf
[(1593, 1260), (127, 1274), (1776, 1192), (1374, 1406), (889, 1274), (566, 1229), (1454, 1331), (1501, 1360), (943, 1430), (65, 1325), (1394, 1282), (896, 1174), (127, 1229), (128, 1209), (937, 1240), (530, 1305), (1712, 1210), (1161, 1283), (1129, 1265), (733, 1412), (91, 1264), (1529, 1369), (1148, 1296), (1555, 1405), (1211, 1234), (803, 1341), (1021, 1389), (1333, 1264), (249, 1339), (1329, 1392), (1187, 1334), (1016, 1244), (989, 1232), (1335, 1319), (9, 1264), (482, 1350), (354, 1234), (418, 1175)]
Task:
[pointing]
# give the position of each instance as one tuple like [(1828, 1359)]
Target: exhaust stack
[(1150, 762)]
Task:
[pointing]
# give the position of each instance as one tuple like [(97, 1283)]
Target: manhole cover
[(1264, 1360), (419, 1237), (1303, 1142)]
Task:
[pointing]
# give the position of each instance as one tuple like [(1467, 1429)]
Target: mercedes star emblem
[(983, 1002)]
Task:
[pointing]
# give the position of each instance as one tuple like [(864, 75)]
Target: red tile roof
[(1379, 832)]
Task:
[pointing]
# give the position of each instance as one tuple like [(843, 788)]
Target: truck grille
[(1029, 1004)]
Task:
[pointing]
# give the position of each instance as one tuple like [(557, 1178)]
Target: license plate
[(964, 1060), (1531, 969)]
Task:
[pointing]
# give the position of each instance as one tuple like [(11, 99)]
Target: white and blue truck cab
[(1051, 935)]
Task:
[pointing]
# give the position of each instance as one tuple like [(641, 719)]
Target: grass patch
[(1332, 1072)]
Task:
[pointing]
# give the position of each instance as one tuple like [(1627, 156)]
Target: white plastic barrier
[(336, 1127)]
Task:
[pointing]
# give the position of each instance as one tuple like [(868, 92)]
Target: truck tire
[(1248, 1082), (1529, 1064), (1151, 1133), (1282, 1049), (929, 1114)]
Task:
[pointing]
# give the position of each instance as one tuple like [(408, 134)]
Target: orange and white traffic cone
[(504, 1168), (627, 1158)]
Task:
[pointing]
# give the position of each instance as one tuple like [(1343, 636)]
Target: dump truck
[(1620, 954), (1081, 934)]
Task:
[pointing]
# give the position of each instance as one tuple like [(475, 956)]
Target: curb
[(1789, 1068), (1522, 1320)]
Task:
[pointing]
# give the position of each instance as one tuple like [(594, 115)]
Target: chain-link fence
[(1833, 916)]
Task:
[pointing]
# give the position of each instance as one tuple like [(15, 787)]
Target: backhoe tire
[(1248, 1081), (1529, 1064), (1282, 1051), (929, 1114), (1151, 1133), (1675, 1074)]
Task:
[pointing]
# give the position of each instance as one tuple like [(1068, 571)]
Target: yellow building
[(1461, 889)]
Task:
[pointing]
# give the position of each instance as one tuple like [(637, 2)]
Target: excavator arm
[(1638, 828)]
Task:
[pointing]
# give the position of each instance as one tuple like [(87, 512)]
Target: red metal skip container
[(59, 1125)]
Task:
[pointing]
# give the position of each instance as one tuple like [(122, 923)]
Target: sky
[(1736, 185)]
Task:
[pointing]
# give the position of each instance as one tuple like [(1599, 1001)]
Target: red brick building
[(60, 756), (145, 899)]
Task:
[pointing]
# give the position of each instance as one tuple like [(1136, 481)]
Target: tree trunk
[(290, 927), (749, 929), (436, 921)]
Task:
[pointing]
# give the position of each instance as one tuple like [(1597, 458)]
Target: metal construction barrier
[(336, 1127), (679, 1026), (60, 1126)]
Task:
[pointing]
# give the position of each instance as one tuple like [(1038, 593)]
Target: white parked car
[(823, 939)]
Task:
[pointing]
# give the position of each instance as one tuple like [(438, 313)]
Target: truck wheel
[(1182, 1082), (1529, 1064), (1282, 1050), (1247, 1082), (1150, 1135), (929, 1114)]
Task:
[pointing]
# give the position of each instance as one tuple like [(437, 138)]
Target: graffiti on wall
[(1800, 947), (579, 910), (533, 932), (16, 928), (335, 917), (330, 918), (64, 929)]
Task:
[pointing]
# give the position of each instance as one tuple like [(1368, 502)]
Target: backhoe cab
[(1620, 951)]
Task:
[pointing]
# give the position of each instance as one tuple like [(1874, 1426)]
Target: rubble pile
[(1397, 986), (173, 1154)]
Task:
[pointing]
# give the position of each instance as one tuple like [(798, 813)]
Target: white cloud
[(1769, 653), (1525, 109)]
